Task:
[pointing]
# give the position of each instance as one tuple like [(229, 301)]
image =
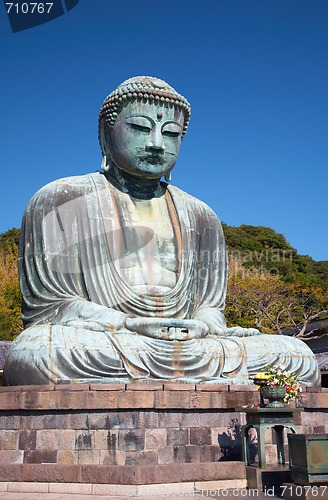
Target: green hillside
[(259, 246)]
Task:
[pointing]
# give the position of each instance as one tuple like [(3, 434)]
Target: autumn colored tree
[(10, 295), (259, 298)]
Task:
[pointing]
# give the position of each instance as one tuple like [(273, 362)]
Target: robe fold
[(77, 237)]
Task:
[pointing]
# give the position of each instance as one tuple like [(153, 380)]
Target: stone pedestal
[(262, 419), (128, 438)]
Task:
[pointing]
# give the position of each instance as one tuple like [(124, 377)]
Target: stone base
[(292, 491), (120, 424), (132, 435)]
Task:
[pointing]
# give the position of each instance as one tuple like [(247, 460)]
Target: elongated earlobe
[(168, 177), (105, 164)]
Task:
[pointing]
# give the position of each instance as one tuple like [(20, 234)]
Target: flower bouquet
[(278, 385)]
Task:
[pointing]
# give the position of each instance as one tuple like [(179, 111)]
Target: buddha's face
[(145, 139)]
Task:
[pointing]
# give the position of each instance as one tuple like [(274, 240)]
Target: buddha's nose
[(156, 139)]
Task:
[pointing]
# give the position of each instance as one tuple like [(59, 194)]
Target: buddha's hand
[(167, 329), (238, 331)]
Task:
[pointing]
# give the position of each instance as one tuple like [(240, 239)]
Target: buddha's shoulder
[(192, 202), (69, 186)]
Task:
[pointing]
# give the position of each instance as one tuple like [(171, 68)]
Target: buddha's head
[(141, 126)]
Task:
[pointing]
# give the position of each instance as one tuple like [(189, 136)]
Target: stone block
[(3, 486), (173, 419), (137, 399), (145, 419), (200, 436), (67, 457), (217, 400), (172, 399), (34, 400), (38, 388), (72, 400), (111, 457), (70, 488), (178, 437), (131, 440), (199, 399), (109, 420), (88, 457), (101, 400), (126, 490), (53, 420), (28, 487), (144, 386), (106, 439), (107, 387), (155, 439), (84, 440), (172, 490), (166, 455), (208, 488), (12, 388), (322, 400), (168, 386), (186, 454), (212, 387), (79, 420), (10, 400), (210, 453), (8, 421), (40, 457), (27, 440), (50, 473), (9, 439), (11, 456), (108, 474), (72, 387), (141, 458), (158, 474), (55, 439), (243, 388)]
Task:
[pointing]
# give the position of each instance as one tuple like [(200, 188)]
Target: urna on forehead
[(143, 89)]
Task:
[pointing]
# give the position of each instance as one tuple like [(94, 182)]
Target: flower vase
[(275, 394)]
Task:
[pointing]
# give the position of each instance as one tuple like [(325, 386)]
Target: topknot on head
[(146, 88)]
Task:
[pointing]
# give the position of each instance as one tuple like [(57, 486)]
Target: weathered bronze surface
[(124, 276), (309, 458)]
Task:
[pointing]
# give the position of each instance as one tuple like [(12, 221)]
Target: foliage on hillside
[(262, 247), (10, 296), (270, 286)]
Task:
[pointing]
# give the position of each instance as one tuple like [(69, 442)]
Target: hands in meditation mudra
[(124, 276)]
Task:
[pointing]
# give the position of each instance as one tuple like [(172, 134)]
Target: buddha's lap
[(256, 352)]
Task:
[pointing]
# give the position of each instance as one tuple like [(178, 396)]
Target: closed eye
[(136, 126), (170, 133)]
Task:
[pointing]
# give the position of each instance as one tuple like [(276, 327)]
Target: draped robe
[(76, 236)]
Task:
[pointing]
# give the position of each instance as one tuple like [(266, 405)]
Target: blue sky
[(254, 71)]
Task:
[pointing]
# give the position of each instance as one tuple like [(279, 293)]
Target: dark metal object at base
[(275, 395), (265, 418), (308, 458)]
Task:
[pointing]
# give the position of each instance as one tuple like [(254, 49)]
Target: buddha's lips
[(153, 159)]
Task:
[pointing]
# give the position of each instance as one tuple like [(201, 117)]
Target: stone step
[(125, 474)]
